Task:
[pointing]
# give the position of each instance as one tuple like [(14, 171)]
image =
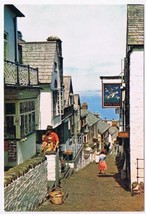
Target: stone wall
[(26, 185)]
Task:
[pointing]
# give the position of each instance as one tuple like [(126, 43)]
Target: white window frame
[(28, 119)]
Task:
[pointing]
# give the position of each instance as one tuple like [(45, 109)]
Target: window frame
[(7, 132), (28, 123), (20, 130)]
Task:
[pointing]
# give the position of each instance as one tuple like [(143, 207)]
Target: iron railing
[(19, 75), (140, 168), (74, 147)]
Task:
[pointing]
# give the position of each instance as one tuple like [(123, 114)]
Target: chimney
[(96, 114), (59, 51), (59, 43), (84, 106)]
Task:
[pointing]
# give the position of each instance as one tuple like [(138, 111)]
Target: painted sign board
[(12, 151), (123, 134), (111, 95)]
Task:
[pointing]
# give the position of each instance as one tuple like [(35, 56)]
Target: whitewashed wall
[(26, 149), (45, 109), (137, 114)]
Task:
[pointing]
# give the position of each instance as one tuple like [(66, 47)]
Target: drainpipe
[(15, 39), (128, 164), (129, 51), (121, 119)]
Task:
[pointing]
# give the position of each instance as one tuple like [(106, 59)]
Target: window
[(27, 114), (54, 103), (23, 119), (10, 108), (9, 126), (20, 54), (6, 47), (57, 103)]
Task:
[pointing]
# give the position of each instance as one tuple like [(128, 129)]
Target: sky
[(93, 38), (93, 35)]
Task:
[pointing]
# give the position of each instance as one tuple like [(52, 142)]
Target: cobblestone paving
[(89, 192)]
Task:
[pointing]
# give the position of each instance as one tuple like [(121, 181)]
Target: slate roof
[(102, 127), (40, 55), (15, 10), (135, 24), (68, 88), (92, 119), (113, 130)]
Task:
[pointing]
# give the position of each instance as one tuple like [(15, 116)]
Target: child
[(102, 166)]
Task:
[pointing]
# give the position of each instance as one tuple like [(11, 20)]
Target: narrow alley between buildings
[(85, 190)]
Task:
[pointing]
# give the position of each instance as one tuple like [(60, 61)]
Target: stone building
[(21, 97), (94, 128), (133, 92), (77, 117), (47, 56)]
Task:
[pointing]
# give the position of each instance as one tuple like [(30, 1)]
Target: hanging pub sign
[(111, 95), (111, 91)]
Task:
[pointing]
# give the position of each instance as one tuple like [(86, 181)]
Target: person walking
[(102, 166), (50, 141)]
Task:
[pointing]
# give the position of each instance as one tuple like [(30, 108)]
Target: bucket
[(56, 196)]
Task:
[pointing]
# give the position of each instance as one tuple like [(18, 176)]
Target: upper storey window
[(6, 46)]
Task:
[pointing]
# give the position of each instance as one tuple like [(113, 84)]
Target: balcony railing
[(19, 75)]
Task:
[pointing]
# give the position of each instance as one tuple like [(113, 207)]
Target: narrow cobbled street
[(89, 192)]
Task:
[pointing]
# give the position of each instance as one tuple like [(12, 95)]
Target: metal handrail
[(138, 168), (16, 74)]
